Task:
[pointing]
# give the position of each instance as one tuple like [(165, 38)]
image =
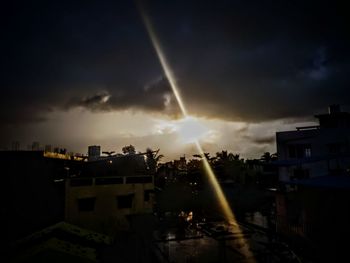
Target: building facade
[(105, 193), (313, 200), (94, 152), (315, 151)]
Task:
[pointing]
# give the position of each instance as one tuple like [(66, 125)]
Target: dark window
[(102, 181), (125, 201), (81, 182), (291, 151), (300, 173), (299, 150), (147, 195), (139, 180), (86, 204)]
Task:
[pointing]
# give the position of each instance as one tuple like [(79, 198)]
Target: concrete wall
[(106, 215)]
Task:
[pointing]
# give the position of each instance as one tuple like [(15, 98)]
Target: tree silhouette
[(152, 159), (267, 157), (130, 149), (236, 157)]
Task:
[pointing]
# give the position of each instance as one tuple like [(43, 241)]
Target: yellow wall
[(106, 216)]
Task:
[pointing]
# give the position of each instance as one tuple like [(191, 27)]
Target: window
[(291, 151), (148, 194), (86, 204), (125, 201), (307, 152), (299, 150)]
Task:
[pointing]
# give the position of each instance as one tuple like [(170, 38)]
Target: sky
[(79, 73)]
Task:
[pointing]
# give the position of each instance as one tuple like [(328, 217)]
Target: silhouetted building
[(101, 194), (50, 187), (94, 152), (34, 198), (315, 150), (312, 204)]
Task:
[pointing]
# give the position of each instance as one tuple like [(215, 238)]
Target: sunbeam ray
[(226, 209)]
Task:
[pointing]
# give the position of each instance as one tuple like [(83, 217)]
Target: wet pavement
[(220, 242)]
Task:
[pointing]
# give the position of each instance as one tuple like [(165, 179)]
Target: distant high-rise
[(94, 152)]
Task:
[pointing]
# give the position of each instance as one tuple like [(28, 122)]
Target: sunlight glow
[(191, 130), (188, 124)]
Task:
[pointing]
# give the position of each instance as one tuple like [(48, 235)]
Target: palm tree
[(152, 159)]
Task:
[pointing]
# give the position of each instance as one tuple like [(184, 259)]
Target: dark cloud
[(260, 61), (263, 140), (154, 96), (237, 60), (96, 101)]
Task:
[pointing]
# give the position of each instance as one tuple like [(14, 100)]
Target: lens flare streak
[(164, 64), (227, 211)]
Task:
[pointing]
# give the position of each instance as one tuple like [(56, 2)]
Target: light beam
[(164, 63), (227, 211)]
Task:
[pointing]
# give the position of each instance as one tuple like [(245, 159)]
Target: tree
[(130, 149), (236, 157), (267, 157), (152, 159), (222, 156)]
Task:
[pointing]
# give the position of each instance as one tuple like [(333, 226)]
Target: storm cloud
[(250, 61)]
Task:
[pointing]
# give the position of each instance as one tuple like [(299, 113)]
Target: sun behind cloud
[(189, 129)]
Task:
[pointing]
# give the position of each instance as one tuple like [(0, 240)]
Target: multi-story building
[(51, 187), (101, 194), (312, 204), (94, 152), (318, 150)]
